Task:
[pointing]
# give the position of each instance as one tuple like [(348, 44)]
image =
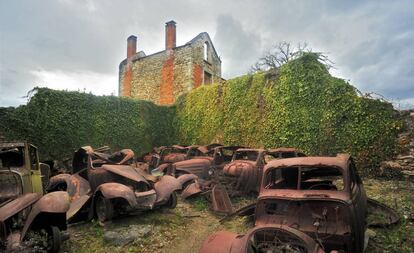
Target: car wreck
[(306, 204), (204, 162), (28, 217), (104, 188), (244, 172)]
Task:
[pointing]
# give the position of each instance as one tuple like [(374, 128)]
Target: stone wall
[(163, 76), (403, 163)]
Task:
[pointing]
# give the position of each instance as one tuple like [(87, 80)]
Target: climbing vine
[(301, 106), (59, 122)]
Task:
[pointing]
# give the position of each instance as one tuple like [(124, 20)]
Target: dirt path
[(198, 230)]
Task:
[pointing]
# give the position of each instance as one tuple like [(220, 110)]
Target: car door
[(358, 198), (35, 172)]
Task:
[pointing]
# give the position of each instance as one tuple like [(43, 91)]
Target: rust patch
[(197, 75), (126, 91), (167, 82)]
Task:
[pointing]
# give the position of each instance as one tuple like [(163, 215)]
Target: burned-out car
[(101, 188), (28, 217), (304, 202), (246, 168), (172, 154), (247, 165), (202, 168), (204, 164)]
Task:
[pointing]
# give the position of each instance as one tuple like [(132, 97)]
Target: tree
[(284, 52)]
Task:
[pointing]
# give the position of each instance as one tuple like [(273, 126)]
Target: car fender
[(227, 242), (183, 179), (165, 187), (17, 205), (54, 202), (117, 190), (57, 180)]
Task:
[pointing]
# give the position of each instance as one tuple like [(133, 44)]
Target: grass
[(184, 228), (399, 195)]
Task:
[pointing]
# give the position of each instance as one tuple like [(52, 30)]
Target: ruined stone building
[(163, 76)]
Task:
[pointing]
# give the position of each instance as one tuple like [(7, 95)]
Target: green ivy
[(59, 122), (303, 107)]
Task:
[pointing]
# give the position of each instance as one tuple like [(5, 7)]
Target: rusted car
[(103, 189), (203, 166), (303, 201), (176, 153), (247, 165), (246, 169), (28, 217), (203, 163)]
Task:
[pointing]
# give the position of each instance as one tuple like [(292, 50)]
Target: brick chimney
[(170, 35), (132, 46)]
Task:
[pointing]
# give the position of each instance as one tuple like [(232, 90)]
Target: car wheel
[(172, 201), (104, 209), (54, 239)]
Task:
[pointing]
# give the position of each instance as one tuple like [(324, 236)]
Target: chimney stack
[(170, 35), (132, 46)]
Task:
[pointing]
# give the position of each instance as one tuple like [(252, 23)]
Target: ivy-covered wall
[(301, 106), (59, 122)]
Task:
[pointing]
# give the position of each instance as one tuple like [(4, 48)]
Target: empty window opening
[(11, 157), (205, 51), (246, 155), (207, 78), (305, 178)]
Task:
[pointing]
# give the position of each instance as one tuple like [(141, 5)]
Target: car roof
[(284, 149), (11, 144), (339, 161), (251, 149)]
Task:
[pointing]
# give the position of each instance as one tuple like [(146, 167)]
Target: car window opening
[(305, 178)]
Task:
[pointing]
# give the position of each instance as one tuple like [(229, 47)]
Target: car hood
[(195, 162), (236, 167), (126, 171)]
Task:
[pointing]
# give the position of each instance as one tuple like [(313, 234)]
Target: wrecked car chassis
[(321, 198), (244, 172), (28, 217), (105, 190)]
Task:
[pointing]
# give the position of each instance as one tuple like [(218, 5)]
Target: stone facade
[(163, 76), (403, 163)]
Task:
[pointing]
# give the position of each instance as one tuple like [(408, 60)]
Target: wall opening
[(205, 51), (207, 78)]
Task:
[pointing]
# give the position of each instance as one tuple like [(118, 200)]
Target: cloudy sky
[(78, 45)]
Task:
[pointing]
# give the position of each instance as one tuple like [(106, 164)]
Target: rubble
[(403, 165), (124, 235)]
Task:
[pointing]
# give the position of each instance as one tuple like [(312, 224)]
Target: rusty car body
[(24, 208), (247, 165), (204, 161), (103, 189), (320, 199)]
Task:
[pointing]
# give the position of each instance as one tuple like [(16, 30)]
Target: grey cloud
[(370, 41), (238, 48)]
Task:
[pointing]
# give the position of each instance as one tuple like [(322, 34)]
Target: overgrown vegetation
[(300, 105), (59, 122)]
